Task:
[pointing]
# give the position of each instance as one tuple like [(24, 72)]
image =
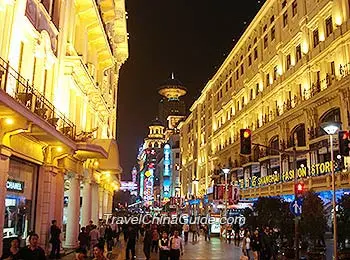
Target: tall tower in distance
[(171, 104)]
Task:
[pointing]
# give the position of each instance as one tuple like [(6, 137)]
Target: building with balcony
[(287, 74), (59, 68)]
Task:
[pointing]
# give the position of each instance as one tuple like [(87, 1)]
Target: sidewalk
[(118, 253)]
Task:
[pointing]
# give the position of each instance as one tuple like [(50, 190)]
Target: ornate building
[(59, 68), (287, 74)]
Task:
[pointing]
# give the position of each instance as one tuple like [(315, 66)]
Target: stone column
[(59, 200), (94, 203), (110, 202), (45, 211), (87, 200), (73, 212), (100, 202), (105, 202), (4, 169)]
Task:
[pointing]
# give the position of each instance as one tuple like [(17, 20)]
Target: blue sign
[(194, 202), (296, 207)]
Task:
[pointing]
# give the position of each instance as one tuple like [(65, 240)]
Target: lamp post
[(331, 128), (226, 171)]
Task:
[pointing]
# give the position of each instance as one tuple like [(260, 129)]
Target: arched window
[(256, 153), (274, 144), (332, 115), (297, 136), (156, 145)]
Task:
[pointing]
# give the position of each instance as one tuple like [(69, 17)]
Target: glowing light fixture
[(59, 149), (9, 121)]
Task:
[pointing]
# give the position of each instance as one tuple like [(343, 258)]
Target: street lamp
[(226, 171), (331, 128)]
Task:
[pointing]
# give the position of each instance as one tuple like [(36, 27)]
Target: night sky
[(188, 37)]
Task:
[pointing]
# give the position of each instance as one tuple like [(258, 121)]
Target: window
[(295, 8), (285, 19), (238, 108), (242, 69), (288, 62), (255, 53), (272, 19), (284, 4), (332, 68), (298, 52), (316, 38), (275, 73), (250, 59), (265, 41), (251, 94), (255, 40), (226, 86), (242, 102), (257, 89), (267, 79), (273, 33), (329, 26), (237, 74), (230, 82), (217, 97), (265, 27), (220, 93)]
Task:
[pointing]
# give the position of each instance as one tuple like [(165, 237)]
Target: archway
[(297, 136)]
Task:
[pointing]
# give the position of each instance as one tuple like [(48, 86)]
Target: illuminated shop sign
[(167, 172), (13, 185), (303, 172)]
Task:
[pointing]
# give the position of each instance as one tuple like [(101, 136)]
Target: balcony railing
[(33, 100)]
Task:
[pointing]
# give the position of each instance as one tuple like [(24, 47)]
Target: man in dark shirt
[(266, 244), (147, 242), (33, 251), (131, 242), (55, 232)]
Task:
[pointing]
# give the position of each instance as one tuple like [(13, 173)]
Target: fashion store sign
[(16, 186), (303, 172)]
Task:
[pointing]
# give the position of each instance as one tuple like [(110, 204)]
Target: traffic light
[(344, 143), (299, 189), (246, 141)]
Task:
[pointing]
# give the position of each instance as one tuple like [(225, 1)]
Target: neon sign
[(167, 172), (13, 185), (303, 172)]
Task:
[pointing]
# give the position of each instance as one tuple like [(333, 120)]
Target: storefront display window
[(19, 201)]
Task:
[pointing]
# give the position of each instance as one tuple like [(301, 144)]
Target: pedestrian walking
[(109, 238), (186, 229), (55, 241), (90, 226), (147, 242), (256, 246), (228, 233), (33, 251), (266, 244), (131, 242), (94, 239), (175, 246), (13, 253), (206, 230), (164, 249), (155, 238), (83, 239), (194, 232), (236, 235), (246, 245)]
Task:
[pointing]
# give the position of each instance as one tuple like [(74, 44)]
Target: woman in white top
[(246, 248)]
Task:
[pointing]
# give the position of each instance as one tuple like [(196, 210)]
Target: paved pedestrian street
[(215, 249)]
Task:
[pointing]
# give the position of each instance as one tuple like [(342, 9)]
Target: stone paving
[(215, 249)]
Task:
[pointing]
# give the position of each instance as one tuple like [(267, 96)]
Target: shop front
[(20, 200)]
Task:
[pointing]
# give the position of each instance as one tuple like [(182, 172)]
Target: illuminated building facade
[(59, 67), (287, 74), (148, 178)]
